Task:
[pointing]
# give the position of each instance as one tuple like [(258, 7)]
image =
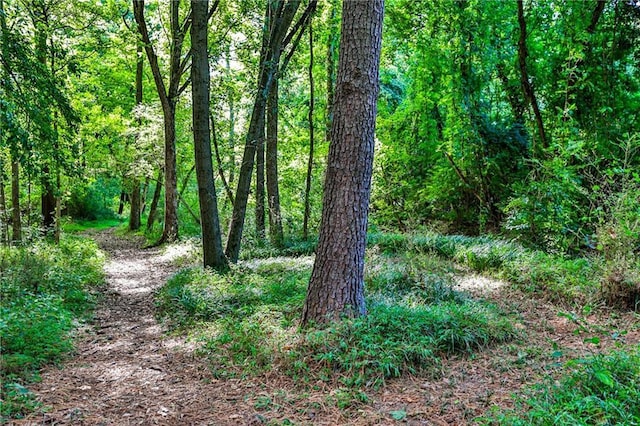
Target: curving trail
[(125, 371)]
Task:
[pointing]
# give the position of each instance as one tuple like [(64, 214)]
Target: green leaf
[(604, 377), (398, 414)]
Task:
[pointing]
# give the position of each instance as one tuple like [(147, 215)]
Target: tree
[(211, 237), (280, 15), (337, 281), (169, 96)]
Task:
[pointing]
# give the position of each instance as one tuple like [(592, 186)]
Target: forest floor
[(128, 371)]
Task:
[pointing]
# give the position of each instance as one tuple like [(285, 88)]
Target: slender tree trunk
[(123, 199), (231, 144), (211, 236), (276, 232), (145, 188), (168, 99), (307, 189), (272, 48), (332, 44), (260, 218), (134, 216), (15, 201), (155, 200), (214, 138), (48, 202), (527, 87), (4, 223), (337, 282)]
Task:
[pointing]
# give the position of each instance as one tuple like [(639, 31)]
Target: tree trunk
[(168, 99), (155, 200), (276, 234), (15, 202), (123, 199), (48, 203), (337, 282), (260, 219), (134, 216), (214, 139), (211, 236), (231, 144), (272, 48), (524, 75), (4, 222), (332, 44), (307, 189)]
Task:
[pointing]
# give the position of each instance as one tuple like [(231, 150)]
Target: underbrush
[(44, 289), (249, 319), (599, 278), (603, 389)]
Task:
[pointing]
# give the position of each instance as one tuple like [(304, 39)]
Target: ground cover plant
[(600, 389), (44, 290), (249, 320)]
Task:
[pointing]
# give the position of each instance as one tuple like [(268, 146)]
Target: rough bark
[(337, 282), (307, 189), (276, 233), (213, 255), (527, 87)]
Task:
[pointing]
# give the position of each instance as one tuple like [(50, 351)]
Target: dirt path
[(126, 372)]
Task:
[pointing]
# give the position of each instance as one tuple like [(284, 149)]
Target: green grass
[(44, 290), (599, 390), (249, 318), (77, 226)]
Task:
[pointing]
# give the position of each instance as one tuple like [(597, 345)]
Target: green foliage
[(250, 317), (603, 389), (44, 289)]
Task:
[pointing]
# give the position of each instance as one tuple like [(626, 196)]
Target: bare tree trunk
[(15, 201), (214, 138), (155, 200), (134, 216), (332, 45), (260, 218), (276, 232), (168, 99), (231, 144), (213, 255), (282, 15), (4, 222), (307, 189), (527, 87), (337, 282)]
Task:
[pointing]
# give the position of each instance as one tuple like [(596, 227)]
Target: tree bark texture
[(276, 233), (213, 255), (337, 282)]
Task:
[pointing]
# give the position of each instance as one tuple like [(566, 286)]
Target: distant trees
[(337, 282)]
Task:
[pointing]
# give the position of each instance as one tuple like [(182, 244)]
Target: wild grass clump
[(44, 289), (250, 319), (603, 389)]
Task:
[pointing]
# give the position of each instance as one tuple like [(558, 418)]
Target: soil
[(127, 370)]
